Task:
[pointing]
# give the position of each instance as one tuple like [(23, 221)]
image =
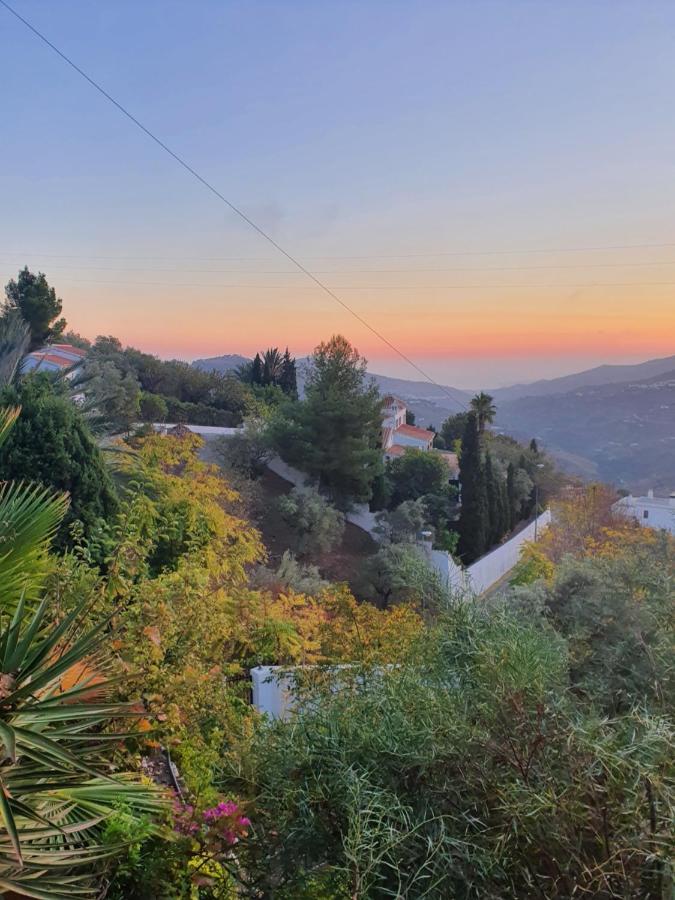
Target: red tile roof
[(414, 432), (396, 450), (53, 358), (78, 351)]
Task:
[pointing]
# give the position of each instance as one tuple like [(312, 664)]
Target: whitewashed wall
[(489, 569), (272, 692), (206, 431)]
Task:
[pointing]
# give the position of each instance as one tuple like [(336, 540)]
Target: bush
[(470, 775), (317, 525), (51, 444)]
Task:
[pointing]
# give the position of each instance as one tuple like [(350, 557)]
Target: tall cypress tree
[(289, 379), (492, 490), (474, 512), (513, 511), (257, 370)]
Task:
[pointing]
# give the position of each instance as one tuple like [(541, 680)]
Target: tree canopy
[(32, 296), (334, 433), (52, 445)]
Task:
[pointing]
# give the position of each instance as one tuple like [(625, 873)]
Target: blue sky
[(381, 130)]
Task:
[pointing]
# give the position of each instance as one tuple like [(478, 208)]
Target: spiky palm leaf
[(29, 518), (14, 340), (57, 781)]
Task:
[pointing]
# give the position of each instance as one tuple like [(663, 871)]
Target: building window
[(645, 514)]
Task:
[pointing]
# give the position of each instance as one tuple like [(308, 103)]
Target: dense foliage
[(52, 445), (172, 390), (334, 433), (31, 296)]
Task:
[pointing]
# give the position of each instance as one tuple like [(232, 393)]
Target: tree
[(453, 428), (497, 502), (399, 573), (52, 445), (288, 381), (409, 417), (474, 524), (485, 410), (248, 451), (318, 526), (272, 366), (256, 374), (152, 407), (334, 433), (115, 394), (415, 474), (534, 448), (38, 304), (617, 614), (405, 522)]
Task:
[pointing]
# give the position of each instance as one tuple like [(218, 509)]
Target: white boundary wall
[(272, 692), (489, 569), (205, 431)]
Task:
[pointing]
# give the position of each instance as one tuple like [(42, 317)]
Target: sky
[(490, 185)]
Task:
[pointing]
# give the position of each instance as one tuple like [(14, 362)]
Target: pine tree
[(534, 447), (474, 512), (334, 433), (38, 304)]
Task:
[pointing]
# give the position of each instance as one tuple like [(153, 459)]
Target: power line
[(655, 263), (173, 258), (235, 209)]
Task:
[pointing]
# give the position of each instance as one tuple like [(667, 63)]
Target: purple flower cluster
[(222, 824)]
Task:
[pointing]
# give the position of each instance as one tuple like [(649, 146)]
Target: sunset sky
[(491, 185)]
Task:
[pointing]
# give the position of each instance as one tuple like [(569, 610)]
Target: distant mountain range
[(596, 376), (227, 363), (623, 433), (613, 423)]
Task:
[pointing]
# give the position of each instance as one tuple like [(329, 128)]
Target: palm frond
[(58, 785), (29, 518)]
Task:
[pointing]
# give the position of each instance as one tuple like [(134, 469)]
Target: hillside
[(614, 423), (600, 375), (226, 363), (621, 433)]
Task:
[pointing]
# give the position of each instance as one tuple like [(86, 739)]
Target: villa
[(398, 436)]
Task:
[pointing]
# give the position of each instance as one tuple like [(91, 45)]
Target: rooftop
[(414, 432)]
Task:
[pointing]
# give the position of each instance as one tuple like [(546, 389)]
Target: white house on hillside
[(397, 436), (650, 511)]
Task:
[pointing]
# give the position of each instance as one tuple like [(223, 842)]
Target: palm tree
[(57, 748), (483, 406), (273, 366)]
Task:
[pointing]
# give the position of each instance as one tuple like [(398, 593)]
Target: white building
[(396, 435), (649, 511)]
